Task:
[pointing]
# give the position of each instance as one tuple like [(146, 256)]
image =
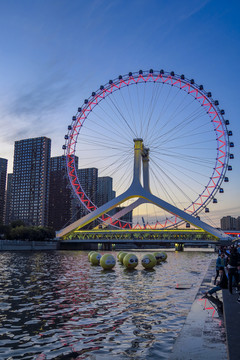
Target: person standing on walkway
[(222, 284), (233, 263), (221, 262), (238, 249)]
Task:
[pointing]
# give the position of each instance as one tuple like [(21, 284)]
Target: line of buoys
[(129, 260)]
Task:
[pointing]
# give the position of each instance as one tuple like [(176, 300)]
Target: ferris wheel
[(180, 124)]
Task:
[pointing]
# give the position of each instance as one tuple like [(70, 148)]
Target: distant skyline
[(55, 53)]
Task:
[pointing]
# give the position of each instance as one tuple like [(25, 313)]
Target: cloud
[(34, 106), (42, 97), (190, 11)]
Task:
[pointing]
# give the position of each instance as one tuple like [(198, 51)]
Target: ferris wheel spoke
[(190, 170), (170, 179), (188, 146), (151, 107), (155, 109), (170, 118), (126, 109), (123, 182), (181, 157), (181, 125), (132, 111), (177, 111), (105, 130), (143, 106), (180, 107), (165, 189), (160, 88), (204, 124), (100, 144), (117, 120), (180, 166), (140, 112), (184, 119), (187, 135), (100, 156), (195, 180), (180, 129), (124, 179), (163, 105), (98, 136), (115, 164), (181, 169), (171, 105), (124, 101), (122, 116)]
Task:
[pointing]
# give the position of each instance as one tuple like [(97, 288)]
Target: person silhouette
[(221, 262), (233, 263), (221, 284)]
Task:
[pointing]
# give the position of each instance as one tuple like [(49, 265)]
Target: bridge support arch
[(143, 194)]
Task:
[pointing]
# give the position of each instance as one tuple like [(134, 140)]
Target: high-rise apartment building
[(105, 191), (88, 179), (8, 199), (238, 223), (30, 181), (3, 175), (228, 223), (63, 206)]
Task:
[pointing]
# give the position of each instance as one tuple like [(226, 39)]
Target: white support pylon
[(144, 195)]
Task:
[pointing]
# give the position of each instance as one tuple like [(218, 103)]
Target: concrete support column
[(145, 161), (138, 147)]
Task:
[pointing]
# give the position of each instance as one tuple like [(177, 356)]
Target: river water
[(55, 305)]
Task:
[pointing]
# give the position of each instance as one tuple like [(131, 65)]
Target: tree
[(17, 223), (4, 231), (37, 233)]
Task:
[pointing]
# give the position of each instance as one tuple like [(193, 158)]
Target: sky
[(55, 53)]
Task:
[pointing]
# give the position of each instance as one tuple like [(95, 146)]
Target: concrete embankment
[(203, 335), (22, 245), (211, 329)]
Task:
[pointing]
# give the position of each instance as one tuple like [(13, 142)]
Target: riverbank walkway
[(231, 310), (211, 330)]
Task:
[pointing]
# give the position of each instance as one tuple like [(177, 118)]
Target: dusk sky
[(55, 53)]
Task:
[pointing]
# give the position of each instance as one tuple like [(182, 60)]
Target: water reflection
[(55, 305)]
